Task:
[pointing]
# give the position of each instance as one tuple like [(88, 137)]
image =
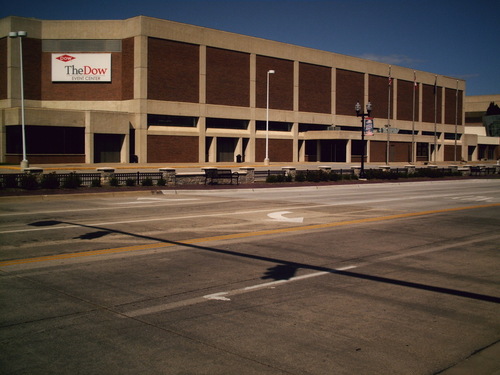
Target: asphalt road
[(398, 278)]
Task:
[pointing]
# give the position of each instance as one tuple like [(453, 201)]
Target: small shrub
[(50, 181), (316, 176), (29, 182), (114, 182), (73, 181), (300, 176), (96, 182), (10, 181), (278, 178), (147, 182), (349, 177), (130, 182), (334, 176), (161, 182), (272, 178), (375, 174)]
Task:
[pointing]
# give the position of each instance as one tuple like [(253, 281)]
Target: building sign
[(368, 126), (81, 67)]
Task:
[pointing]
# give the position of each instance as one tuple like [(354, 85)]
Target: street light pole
[(266, 160), (357, 107), (21, 35)]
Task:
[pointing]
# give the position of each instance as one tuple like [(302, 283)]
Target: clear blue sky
[(455, 38)]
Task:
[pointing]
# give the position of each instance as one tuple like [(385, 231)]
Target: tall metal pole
[(413, 119), (456, 123), (266, 160), (24, 162), (21, 35), (435, 120), (388, 148), (357, 107)]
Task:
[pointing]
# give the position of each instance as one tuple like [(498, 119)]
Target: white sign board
[(81, 67)]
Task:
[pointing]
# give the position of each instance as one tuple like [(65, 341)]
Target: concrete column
[(250, 150), (253, 80), (212, 151), (202, 128), (367, 90), (125, 151), (348, 151), (202, 139), (296, 86), (89, 139), (238, 149), (203, 75), (140, 120), (296, 151), (368, 147)]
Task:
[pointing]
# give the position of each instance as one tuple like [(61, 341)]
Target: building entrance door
[(107, 148), (226, 148)]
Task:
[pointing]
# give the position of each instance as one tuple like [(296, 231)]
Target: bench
[(213, 175)]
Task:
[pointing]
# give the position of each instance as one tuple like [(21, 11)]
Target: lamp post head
[(20, 34), (357, 107), (369, 107), (270, 72)]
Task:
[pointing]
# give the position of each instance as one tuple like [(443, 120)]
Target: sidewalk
[(190, 167)]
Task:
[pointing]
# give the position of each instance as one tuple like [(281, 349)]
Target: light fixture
[(357, 108)]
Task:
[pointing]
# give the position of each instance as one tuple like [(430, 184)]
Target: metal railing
[(138, 177)]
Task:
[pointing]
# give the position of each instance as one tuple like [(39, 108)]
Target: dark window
[(46, 140), (274, 126), (165, 120), (224, 123), (452, 135)]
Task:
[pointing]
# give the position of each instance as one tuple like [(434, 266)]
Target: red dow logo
[(65, 58)]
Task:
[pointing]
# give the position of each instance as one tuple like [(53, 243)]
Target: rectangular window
[(166, 120), (224, 123), (274, 126), (312, 127), (46, 140), (452, 135)]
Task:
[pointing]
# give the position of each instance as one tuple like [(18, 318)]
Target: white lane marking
[(218, 296), (474, 198), (110, 207), (279, 217), (157, 200), (223, 296), (187, 217)]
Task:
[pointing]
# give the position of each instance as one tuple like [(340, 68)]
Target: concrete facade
[(486, 147), (182, 93)]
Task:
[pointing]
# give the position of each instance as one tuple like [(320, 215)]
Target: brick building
[(158, 91)]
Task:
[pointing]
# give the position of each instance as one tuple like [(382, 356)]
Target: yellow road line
[(237, 235)]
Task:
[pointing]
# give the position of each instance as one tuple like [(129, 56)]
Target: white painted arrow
[(218, 296), (279, 217)]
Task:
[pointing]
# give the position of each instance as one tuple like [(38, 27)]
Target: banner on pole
[(368, 126)]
